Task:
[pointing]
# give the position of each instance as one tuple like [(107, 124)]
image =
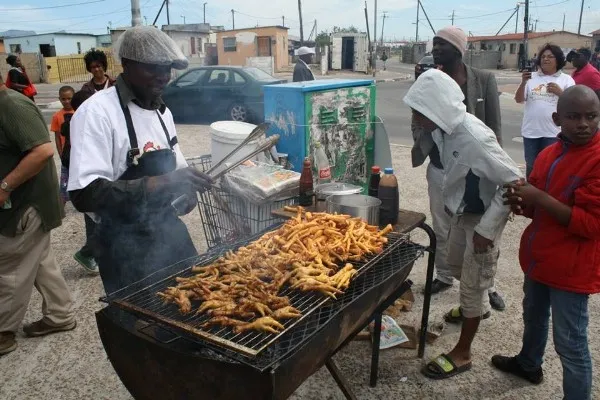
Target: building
[(350, 51), (52, 44), (595, 40), (2, 45), (510, 45), (236, 47), (191, 38), (103, 41)]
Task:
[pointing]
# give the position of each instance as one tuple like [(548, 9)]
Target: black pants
[(89, 248)]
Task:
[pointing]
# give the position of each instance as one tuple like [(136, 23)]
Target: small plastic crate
[(228, 218)]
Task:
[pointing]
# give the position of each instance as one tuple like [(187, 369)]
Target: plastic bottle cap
[(389, 171), (375, 169), (317, 145)]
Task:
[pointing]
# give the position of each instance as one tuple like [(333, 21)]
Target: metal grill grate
[(227, 218), (146, 302)]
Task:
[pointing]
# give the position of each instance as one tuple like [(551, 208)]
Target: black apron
[(149, 238)]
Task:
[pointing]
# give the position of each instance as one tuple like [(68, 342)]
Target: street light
[(183, 16)]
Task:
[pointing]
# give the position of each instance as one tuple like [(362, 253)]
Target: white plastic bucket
[(226, 136)]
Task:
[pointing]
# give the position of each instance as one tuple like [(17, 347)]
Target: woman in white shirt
[(540, 91)]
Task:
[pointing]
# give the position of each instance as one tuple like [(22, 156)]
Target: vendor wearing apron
[(126, 166)]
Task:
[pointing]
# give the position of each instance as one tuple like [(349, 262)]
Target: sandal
[(442, 367), (455, 316)]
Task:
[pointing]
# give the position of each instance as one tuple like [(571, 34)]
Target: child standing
[(60, 126), (560, 249), (65, 95)]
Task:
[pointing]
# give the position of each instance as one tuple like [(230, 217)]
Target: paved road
[(397, 118)]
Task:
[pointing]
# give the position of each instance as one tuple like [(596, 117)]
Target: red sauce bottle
[(306, 184)]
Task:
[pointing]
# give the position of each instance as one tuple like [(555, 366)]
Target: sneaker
[(512, 366), (41, 328), (496, 301), (438, 286), (88, 263), (7, 343)]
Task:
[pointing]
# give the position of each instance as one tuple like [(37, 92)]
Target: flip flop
[(442, 367), (455, 316)]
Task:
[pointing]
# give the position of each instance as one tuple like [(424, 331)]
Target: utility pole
[(383, 26), (452, 17), (564, 16), (204, 6), (283, 21), (417, 24), (535, 25), (301, 27), (183, 16), (507, 21), (580, 15), (517, 19), (136, 15), (375, 41), (168, 19), (526, 32), (233, 17), (369, 36)]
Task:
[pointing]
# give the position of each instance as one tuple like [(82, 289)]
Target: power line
[(68, 18), (49, 7), (550, 5)]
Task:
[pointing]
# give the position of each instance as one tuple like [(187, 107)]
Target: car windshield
[(426, 60), (259, 74)]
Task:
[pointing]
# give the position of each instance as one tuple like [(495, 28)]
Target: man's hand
[(481, 244), (174, 181), (554, 89), (4, 195)]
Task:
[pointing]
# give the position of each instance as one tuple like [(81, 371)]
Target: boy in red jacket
[(560, 249)]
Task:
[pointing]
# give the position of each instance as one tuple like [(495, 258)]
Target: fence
[(483, 59), (71, 69)]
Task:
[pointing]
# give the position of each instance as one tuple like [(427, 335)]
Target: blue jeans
[(533, 147), (569, 325)]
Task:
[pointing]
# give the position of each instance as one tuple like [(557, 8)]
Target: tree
[(323, 39)]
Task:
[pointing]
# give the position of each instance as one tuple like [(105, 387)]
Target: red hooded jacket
[(566, 258)]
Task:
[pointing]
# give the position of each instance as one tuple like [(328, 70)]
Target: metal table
[(408, 221)]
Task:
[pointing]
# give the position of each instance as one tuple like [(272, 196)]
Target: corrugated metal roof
[(255, 28), (517, 36)]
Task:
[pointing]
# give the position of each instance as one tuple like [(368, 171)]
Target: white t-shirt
[(540, 105), (99, 139)]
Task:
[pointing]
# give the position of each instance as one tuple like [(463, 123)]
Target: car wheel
[(239, 112)]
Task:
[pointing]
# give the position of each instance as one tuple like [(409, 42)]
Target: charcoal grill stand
[(408, 222)]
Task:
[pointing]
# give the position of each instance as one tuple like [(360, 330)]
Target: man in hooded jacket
[(466, 147), (481, 99)]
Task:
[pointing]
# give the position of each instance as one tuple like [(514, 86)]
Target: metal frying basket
[(228, 218)]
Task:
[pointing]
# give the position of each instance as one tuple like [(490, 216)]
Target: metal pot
[(356, 205), (324, 190)]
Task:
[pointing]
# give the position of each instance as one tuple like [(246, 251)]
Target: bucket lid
[(389, 171), (235, 130), (330, 189)]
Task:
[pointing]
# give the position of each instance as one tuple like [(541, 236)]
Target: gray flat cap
[(150, 45)]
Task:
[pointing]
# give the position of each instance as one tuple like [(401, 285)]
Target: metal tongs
[(263, 145)]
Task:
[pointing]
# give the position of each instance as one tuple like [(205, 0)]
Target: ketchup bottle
[(306, 184)]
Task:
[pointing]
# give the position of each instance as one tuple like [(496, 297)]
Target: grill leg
[(375, 349), (428, 283), (340, 380)]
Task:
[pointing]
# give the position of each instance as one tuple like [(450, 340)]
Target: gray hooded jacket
[(465, 144)]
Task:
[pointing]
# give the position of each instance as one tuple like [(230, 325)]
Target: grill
[(144, 301), (228, 218)]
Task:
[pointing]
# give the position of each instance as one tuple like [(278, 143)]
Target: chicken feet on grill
[(264, 324)]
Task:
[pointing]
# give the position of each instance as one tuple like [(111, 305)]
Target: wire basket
[(228, 218)]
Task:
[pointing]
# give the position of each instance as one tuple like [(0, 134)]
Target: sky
[(481, 17)]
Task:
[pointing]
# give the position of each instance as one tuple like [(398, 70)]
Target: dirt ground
[(73, 365)]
